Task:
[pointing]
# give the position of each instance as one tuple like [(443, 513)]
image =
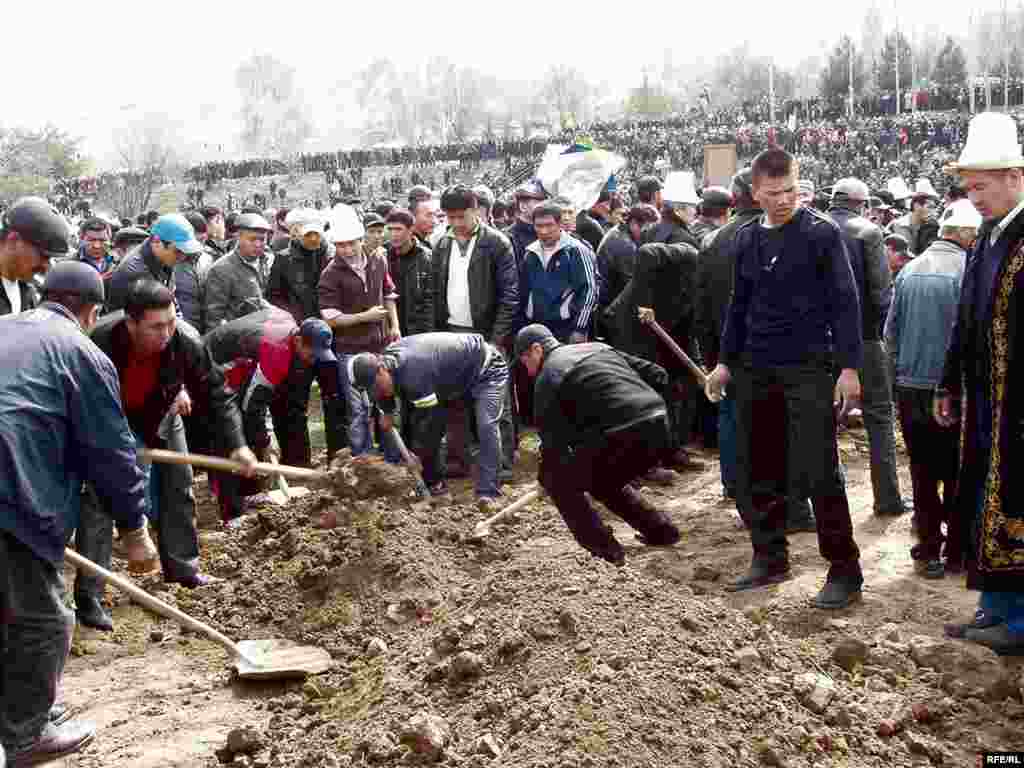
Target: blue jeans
[(35, 639), (360, 433), (1006, 605)]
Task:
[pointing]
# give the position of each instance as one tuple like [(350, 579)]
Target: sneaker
[(999, 638), (440, 488)]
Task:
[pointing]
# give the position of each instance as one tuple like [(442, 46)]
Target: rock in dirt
[(850, 653), (706, 573), (466, 666), (975, 666), (488, 746), (376, 647), (369, 477), (240, 741), (748, 658), (427, 735), (768, 754), (814, 690)]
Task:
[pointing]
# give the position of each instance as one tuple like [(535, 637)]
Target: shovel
[(284, 493), (254, 659), (695, 369), (160, 456), (483, 528), (421, 486)]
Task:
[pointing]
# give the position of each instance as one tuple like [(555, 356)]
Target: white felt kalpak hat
[(991, 145), (898, 189), (924, 187), (679, 188), (962, 213), (345, 224)]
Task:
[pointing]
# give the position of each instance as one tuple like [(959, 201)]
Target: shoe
[(59, 714), (91, 613), (54, 743), (505, 474), (232, 524), (930, 569), (683, 461), (456, 469), (440, 488), (611, 551), (662, 536), (837, 594), (981, 620), (999, 638), (660, 476), (762, 573), (195, 580), (802, 525), (489, 505)]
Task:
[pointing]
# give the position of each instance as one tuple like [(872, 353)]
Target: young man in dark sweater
[(794, 320)]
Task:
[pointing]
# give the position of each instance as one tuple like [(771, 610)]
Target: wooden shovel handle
[(145, 599), (662, 334), (227, 465), (512, 508)]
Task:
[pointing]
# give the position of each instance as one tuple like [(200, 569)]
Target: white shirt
[(459, 312), (13, 291), (999, 228)]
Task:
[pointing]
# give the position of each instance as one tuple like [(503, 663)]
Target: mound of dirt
[(523, 650)]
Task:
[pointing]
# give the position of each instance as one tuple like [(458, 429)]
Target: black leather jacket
[(293, 280), (863, 241), (184, 363), (413, 276), (493, 285)]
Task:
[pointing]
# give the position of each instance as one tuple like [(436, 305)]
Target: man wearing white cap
[(357, 300), (292, 286), (917, 333), (981, 370), (920, 227)]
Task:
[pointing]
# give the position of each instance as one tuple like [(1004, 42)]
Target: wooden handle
[(695, 369), (227, 465), (421, 486), (157, 606), (512, 508)]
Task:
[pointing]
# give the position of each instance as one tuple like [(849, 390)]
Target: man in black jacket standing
[(863, 242), (410, 264), (476, 290), (794, 319), (603, 424), (616, 257)]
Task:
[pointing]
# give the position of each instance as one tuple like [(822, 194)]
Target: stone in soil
[(850, 653), (814, 690), (427, 735)]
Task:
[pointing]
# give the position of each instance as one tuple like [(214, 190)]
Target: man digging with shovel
[(61, 422), (603, 424)]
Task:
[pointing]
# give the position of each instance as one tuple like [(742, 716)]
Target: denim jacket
[(920, 321)]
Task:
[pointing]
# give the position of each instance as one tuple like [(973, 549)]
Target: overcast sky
[(91, 67)]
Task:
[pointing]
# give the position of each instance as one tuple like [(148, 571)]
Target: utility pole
[(913, 69), (771, 91)]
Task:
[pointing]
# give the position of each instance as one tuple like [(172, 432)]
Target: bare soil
[(525, 651)]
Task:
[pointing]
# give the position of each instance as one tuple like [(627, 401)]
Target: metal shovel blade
[(279, 659)]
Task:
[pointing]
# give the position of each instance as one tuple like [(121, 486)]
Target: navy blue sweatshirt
[(794, 296)]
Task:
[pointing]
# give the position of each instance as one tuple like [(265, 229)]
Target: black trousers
[(604, 470), (289, 411), (934, 455), (786, 446)]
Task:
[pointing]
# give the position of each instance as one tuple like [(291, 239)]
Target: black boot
[(91, 613), (763, 572), (842, 586)]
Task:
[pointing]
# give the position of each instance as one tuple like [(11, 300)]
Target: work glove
[(142, 554)]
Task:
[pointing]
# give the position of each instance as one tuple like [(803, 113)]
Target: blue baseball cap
[(174, 228), (319, 335)]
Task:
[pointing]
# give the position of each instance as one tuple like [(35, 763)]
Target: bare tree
[(568, 91), (148, 156), (275, 118)]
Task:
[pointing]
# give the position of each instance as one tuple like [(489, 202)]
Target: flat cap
[(76, 278)]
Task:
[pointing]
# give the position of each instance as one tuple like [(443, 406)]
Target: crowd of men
[(450, 322)]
